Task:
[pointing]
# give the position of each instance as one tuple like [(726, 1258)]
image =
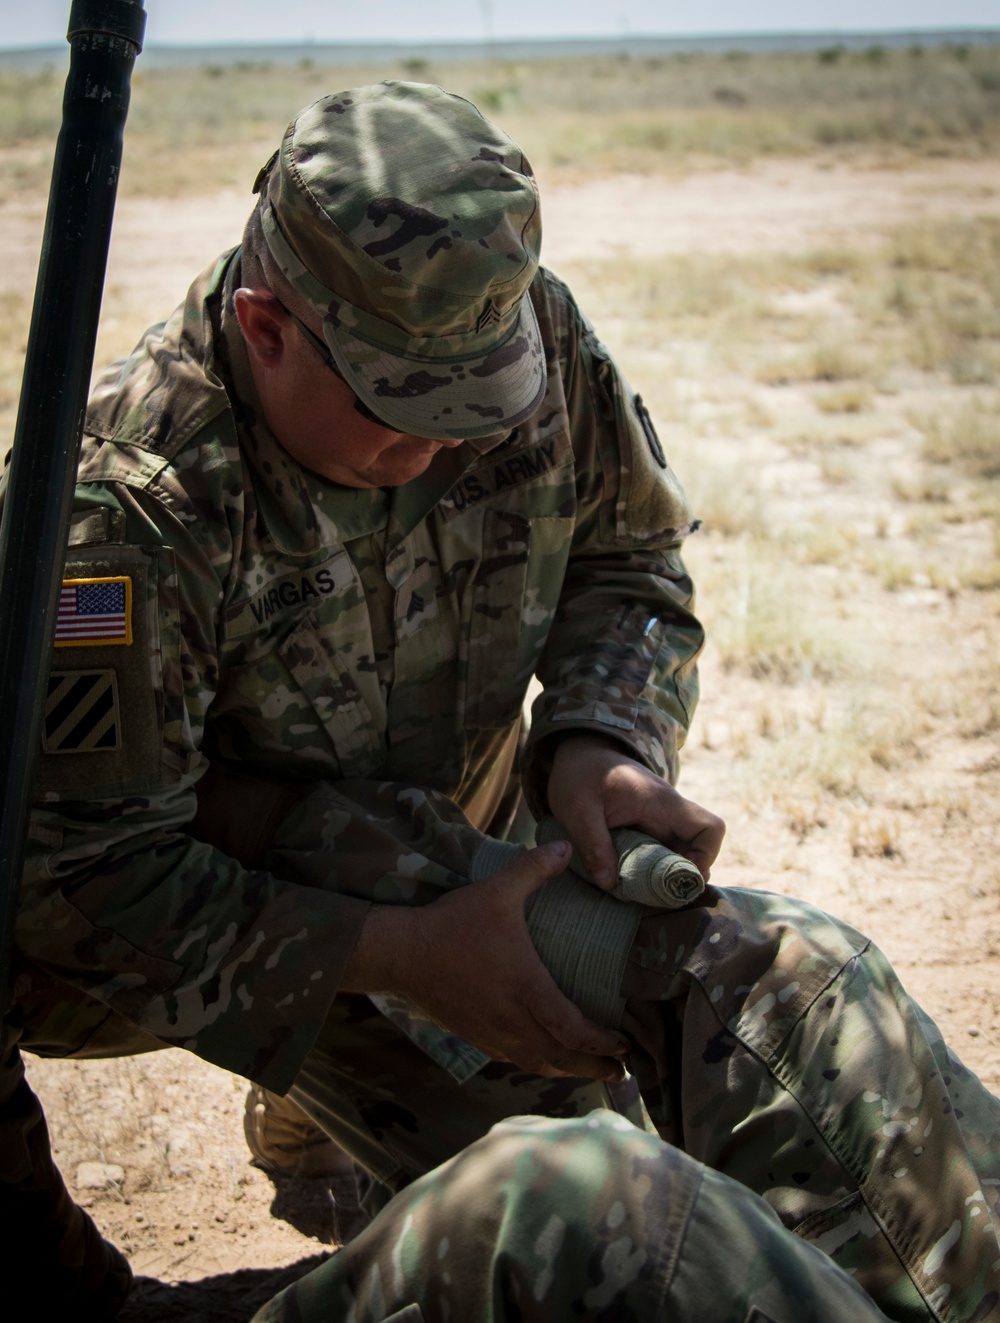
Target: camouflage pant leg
[(71, 1269), (584, 1221), (776, 1044), (400, 1114)]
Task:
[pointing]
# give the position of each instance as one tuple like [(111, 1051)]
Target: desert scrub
[(968, 440), (577, 113), (756, 621), (939, 283), (15, 308)]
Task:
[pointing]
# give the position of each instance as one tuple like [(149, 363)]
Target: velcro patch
[(94, 611), (81, 713)]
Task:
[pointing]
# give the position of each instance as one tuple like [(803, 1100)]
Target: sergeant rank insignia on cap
[(94, 611)]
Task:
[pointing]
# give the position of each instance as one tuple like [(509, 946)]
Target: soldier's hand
[(468, 963), (594, 786)]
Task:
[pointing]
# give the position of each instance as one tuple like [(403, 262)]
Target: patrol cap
[(411, 225)]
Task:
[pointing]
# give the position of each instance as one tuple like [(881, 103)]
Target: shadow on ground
[(307, 1205), (326, 1210), (232, 1297)]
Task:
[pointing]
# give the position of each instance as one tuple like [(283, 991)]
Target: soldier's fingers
[(592, 841), (544, 1056), (555, 1060), (567, 1026), (686, 827), (703, 848), (529, 870), (701, 858)]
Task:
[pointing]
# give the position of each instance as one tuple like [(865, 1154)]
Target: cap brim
[(462, 399)]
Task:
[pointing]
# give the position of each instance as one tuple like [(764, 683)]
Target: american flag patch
[(94, 611)]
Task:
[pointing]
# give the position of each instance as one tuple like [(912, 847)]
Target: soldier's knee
[(592, 1180), (576, 1216)]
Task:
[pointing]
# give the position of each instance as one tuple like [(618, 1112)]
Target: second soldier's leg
[(399, 1113), (775, 1044), (583, 1221)]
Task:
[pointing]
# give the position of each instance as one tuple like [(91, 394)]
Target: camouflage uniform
[(255, 616), (300, 630)]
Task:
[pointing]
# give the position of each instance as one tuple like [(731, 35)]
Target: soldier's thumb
[(531, 869)]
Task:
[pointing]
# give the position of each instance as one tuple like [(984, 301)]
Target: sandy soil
[(206, 1233)]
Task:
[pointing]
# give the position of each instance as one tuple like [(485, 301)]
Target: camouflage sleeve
[(621, 657), (119, 898)]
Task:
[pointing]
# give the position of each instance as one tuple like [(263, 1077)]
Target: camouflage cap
[(411, 225)]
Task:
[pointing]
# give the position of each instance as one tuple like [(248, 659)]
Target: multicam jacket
[(222, 603)]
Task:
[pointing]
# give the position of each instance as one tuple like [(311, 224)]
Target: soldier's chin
[(413, 458)]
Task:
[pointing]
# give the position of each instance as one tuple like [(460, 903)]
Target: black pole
[(105, 37)]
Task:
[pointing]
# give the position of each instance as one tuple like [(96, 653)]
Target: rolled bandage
[(648, 872)]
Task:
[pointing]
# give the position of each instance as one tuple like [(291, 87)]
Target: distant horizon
[(708, 35), (197, 23)]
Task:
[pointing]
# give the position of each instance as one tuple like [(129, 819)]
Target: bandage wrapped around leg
[(583, 934)]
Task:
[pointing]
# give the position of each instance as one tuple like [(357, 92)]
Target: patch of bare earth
[(849, 730)]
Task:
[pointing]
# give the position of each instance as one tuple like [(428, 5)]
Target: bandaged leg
[(771, 1042)]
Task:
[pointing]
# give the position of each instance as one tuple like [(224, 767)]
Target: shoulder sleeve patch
[(652, 507), (81, 712), (95, 611), (102, 729), (648, 506)]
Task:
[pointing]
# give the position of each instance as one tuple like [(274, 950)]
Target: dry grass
[(602, 114), (967, 440), (828, 361), (754, 623), (845, 399)]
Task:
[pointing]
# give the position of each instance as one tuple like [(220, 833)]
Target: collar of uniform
[(415, 500), (301, 511)]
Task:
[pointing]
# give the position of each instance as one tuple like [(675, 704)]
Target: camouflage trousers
[(583, 1221), (772, 1044)]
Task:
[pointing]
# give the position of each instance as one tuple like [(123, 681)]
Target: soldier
[(375, 473)]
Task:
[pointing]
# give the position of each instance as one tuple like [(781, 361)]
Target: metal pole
[(105, 37)]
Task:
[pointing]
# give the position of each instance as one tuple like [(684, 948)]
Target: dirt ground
[(909, 851)]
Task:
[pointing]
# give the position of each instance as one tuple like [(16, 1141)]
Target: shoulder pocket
[(650, 508), (651, 505)]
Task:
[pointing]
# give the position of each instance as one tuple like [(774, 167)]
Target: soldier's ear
[(265, 325)]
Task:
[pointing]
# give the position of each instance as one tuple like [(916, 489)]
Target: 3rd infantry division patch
[(81, 713)]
